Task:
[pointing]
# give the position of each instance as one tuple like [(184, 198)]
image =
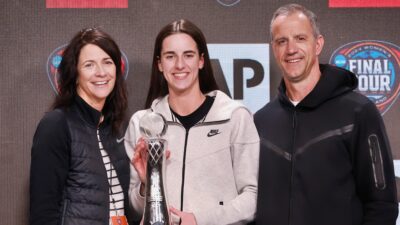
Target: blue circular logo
[(340, 60)]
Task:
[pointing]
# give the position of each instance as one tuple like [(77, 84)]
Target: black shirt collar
[(192, 119), (89, 114)]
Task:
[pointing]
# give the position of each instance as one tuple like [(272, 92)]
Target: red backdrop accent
[(86, 3), (363, 3)]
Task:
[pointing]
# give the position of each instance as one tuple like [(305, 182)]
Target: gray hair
[(293, 8)]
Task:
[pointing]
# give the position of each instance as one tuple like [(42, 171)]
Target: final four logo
[(377, 65), (54, 60)]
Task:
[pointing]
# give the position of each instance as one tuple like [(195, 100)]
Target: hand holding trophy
[(153, 126)]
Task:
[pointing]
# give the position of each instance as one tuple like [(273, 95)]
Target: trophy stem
[(156, 209)]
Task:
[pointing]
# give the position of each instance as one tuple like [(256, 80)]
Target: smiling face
[(96, 75), (295, 48), (180, 62)]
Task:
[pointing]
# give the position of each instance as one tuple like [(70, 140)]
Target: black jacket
[(68, 178), (326, 161)]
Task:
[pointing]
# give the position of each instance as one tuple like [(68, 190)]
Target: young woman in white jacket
[(212, 171)]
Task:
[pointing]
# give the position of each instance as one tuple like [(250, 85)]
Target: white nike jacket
[(214, 164)]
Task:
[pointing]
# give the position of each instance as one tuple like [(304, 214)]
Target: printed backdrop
[(361, 35)]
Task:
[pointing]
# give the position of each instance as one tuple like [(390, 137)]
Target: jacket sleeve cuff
[(137, 202)]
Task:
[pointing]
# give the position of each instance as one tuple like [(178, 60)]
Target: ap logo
[(245, 68)]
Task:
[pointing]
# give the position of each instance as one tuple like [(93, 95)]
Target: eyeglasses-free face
[(96, 75), (180, 63)]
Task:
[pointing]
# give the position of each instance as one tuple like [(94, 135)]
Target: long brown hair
[(158, 84), (116, 102)]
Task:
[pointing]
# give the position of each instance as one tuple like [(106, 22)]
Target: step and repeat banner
[(360, 35)]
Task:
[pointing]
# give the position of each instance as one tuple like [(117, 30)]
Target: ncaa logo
[(377, 66), (54, 60), (228, 2)]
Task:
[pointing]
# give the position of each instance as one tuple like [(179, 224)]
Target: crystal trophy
[(153, 127)]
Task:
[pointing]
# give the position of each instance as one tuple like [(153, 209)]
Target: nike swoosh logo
[(119, 140), (213, 133)]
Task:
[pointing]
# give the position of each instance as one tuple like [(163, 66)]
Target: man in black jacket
[(325, 156)]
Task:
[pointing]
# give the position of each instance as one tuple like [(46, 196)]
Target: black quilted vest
[(86, 193)]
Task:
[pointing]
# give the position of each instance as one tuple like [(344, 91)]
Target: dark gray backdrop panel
[(29, 33)]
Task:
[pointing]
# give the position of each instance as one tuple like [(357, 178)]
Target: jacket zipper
[(185, 147), (183, 168), (294, 124), (376, 161)]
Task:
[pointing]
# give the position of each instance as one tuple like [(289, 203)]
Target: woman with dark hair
[(211, 173), (79, 169)]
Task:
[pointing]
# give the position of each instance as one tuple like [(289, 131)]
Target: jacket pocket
[(377, 162), (64, 211)]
